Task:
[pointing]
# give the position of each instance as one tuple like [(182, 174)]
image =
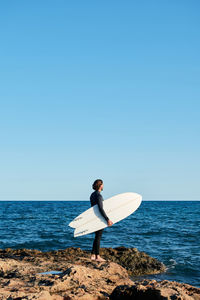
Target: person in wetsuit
[(96, 198)]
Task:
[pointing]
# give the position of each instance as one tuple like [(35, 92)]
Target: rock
[(137, 263), (153, 290), (81, 278), (44, 295)]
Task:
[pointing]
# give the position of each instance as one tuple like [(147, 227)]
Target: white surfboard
[(117, 208)]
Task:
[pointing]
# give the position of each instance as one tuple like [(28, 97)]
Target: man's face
[(102, 187)]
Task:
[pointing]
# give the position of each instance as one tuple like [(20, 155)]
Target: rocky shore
[(70, 274)]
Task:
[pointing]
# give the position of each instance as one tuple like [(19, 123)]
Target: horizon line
[(89, 200)]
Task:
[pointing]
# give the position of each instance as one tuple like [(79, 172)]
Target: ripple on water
[(165, 230)]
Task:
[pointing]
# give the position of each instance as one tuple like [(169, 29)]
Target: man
[(96, 198)]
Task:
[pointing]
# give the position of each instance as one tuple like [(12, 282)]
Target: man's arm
[(100, 206)]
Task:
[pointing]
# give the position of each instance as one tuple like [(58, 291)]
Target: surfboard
[(117, 208)]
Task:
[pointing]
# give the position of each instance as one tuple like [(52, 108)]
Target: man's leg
[(96, 244), (98, 258), (93, 255), (98, 239)]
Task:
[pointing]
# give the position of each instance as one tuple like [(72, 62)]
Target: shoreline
[(80, 278)]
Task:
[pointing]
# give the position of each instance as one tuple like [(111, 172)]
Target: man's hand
[(110, 223)]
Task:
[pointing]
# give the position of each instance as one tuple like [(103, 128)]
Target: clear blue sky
[(99, 89)]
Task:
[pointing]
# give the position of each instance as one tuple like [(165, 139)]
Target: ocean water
[(166, 230)]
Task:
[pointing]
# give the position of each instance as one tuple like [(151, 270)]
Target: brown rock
[(81, 278), (137, 263), (44, 295), (153, 290)]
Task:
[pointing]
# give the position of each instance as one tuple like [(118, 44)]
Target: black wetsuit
[(96, 198)]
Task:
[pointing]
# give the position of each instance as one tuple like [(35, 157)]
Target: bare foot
[(93, 257), (99, 258)]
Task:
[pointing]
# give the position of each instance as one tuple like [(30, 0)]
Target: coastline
[(70, 274)]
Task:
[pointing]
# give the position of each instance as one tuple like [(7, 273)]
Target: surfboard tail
[(80, 233), (71, 224)]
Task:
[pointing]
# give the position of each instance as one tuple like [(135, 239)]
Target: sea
[(166, 230)]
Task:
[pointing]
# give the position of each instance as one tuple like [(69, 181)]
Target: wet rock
[(137, 263)]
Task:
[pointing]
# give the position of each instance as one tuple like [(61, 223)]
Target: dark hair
[(97, 183)]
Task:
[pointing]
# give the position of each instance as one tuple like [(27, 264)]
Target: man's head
[(98, 185)]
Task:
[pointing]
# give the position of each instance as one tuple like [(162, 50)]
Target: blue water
[(166, 230)]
